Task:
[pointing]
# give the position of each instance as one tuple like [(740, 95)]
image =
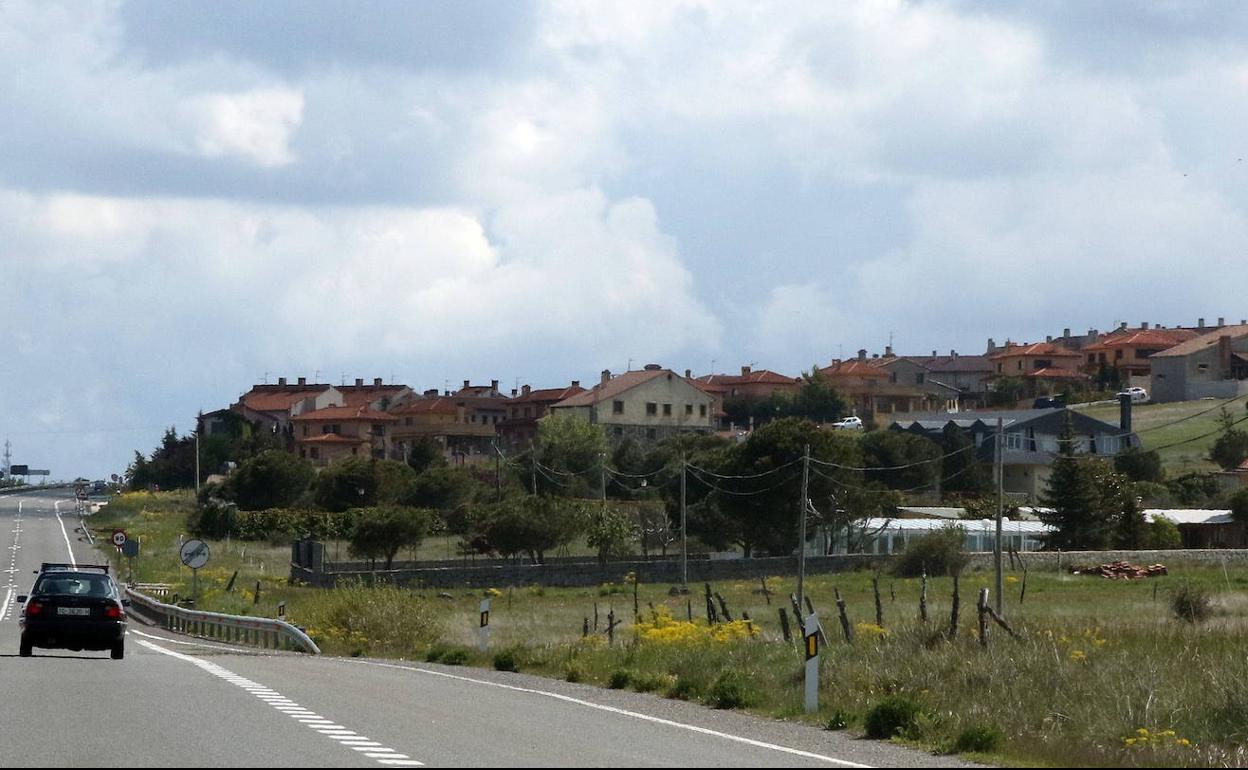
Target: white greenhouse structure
[(885, 536)]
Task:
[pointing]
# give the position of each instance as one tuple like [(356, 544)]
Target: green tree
[(380, 532), (963, 472), (1006, 391), (571, 453), (530, 524), (1077, 511), (171, 465), (1164, 534), (272, 479), (1230, 450), (358, 482), (1238, 503), (1139, 464), (425, 453), (889, 451), (610, 531), (817, 400)]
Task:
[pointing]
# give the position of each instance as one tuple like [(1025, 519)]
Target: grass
[(1157, 427), (1104, 673)]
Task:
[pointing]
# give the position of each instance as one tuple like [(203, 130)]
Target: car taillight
[(113, 612), (34, 608)]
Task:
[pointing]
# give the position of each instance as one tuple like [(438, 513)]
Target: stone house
[(647, 405)]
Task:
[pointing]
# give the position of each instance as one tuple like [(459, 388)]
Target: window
[(316, 453), (1118, 354), (305, 431), (702, 410), (919, 378), (688, 410), (528, 411), (998, 368), (617, 407), (667, 410), (651, 434), (651, 408), (303, 453), (1091, 358)]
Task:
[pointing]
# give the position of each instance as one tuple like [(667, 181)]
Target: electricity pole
[(684, 538), (802, 508), (996, 550)]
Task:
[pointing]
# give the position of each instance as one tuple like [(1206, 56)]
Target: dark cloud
[(299, 35)]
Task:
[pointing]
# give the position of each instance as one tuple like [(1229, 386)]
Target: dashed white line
[(73, 562), (344, 736)]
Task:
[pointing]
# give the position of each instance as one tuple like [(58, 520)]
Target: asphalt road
[(180, 702)]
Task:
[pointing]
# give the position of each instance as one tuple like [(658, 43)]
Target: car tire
[(119, 651), (24, 648)]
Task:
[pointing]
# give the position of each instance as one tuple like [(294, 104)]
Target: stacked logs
[(1122, 570)]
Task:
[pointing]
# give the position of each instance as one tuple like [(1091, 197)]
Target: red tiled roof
[(346, 413), (759, 377), (437, 405), (1035, 349), (1149, 338), (264, 400), (853, 368), (359, 395), (548, 394), (1057, 373), (620, 383), (1205, 340), (331, 438), (953, 363)]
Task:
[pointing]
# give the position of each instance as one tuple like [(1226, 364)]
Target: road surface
[(176, 701)]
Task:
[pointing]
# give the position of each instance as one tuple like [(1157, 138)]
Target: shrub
[(652, 682), (1191, 603), (1238, 503), (840, 720), (1163, 534), (940, 553), (435, 653), (619, 679), (455, 657), (895, 715), (505, 660), (573, 674), (684, 688), (382, 619), (979, 738), (729, 691)]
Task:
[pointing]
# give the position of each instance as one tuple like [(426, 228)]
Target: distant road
[(178, 702)]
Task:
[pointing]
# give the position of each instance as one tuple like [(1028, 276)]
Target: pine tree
[(1078, 513)]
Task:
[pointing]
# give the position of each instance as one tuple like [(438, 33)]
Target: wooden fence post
[(923, 596), (983, 617), (840, 608), (784, 626), (953, 615), (879, 606)]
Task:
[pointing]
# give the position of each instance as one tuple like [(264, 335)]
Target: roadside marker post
[(483, 635), (811, 632)]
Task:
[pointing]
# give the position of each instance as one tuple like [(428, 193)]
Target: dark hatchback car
[(74, 608)]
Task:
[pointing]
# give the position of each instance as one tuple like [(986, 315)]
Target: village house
[(1046, 366), (465, 432), (1127, 351), (526, 408), (333, 433), (648, 405), (1213, 365), (969, 375), (880, 387), (270, 408)]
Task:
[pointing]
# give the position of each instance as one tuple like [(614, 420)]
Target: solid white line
[(65, 535), (619, 711), (191, 644), (4, 607), (335, 731)]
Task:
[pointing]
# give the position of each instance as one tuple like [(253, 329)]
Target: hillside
[(1162, 426)]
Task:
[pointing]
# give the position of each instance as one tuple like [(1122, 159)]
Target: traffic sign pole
[(483, 636)]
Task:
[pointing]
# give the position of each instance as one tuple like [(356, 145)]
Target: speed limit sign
[(119, 537)]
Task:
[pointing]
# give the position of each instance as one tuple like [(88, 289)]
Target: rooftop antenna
[(8, 458), (316, 375), (266, 378), (343, 381), (713, 360), (630, 365)]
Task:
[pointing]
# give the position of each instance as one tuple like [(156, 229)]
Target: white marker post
[(483, 636), (811, 633)]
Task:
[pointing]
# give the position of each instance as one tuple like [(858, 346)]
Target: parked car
[(848, 423), (1137, 394)]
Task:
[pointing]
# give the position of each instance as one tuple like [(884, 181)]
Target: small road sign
[(194, 553), (483, 637), (811, 637), (119, 537)]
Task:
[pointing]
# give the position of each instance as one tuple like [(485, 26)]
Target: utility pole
[(684, 520), (199, 424), (996, 549), (602, 476), (498, 470), (533, 467), (8, 458), (802, 507)]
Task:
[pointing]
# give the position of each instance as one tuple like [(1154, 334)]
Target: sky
[(195, 197)]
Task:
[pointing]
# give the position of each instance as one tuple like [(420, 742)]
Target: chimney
[(376, 382), (359, 382), (1200, 323), (527, 390), (281, 380), (888, 351), (953, 354), (933, 354), (1122, 325), (466, 384), (1048, 338), (745, 371), (688, 374), (606, 376), (303, 380), (576, 383), (1144, 325), (513, 392), (862, 355), (992, 346), (494, 385), (1124, 413), (1221, 322), (1065, 334)]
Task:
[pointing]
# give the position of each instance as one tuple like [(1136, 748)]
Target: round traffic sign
[(194, 553), (130, 549), (119, 537)]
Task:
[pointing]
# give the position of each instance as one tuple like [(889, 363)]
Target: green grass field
[(1099, 661), (1162, 425)]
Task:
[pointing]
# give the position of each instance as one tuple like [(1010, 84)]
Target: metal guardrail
[(264, 633)]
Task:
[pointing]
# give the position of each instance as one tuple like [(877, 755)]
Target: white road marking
[(65, 535), (346, 738), (192, 644), (619, 711)]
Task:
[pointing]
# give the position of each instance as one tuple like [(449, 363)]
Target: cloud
[(257, 124)]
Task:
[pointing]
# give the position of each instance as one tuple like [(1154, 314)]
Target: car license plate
[(73, 611)]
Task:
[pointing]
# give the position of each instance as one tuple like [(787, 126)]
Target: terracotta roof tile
[(548, 394), (620, 383), (264, 400), (853, 368), (1035, 349), (1205, 340), (346, 413), (331, 438), (1152, 338)]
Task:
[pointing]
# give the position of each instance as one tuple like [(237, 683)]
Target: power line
[(717, 488), (915, 464), (746, 476)]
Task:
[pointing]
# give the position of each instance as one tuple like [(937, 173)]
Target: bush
[(380, 619), (840, 720), (505, 660), (1238, 504), (1163, 534), (940, 553), (619, 679), (895, 715), (573, 674), (652, 682), (729, 691), (1140, 465), (1191, 603), (684, 688), (455, 657), (980, 738), (271, 479)]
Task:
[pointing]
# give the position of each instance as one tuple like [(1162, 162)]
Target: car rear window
[(73, 584)]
